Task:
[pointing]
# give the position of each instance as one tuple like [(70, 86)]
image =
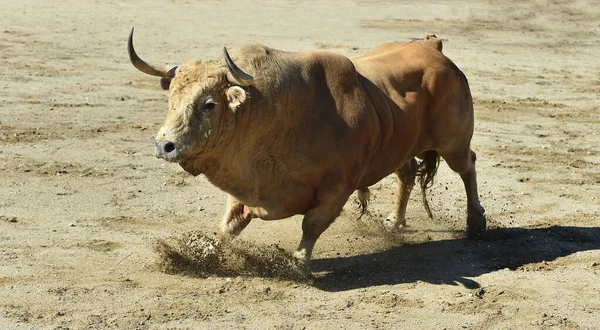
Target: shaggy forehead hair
[(210, 73)]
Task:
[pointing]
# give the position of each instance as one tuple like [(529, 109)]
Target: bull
[(286, 133)]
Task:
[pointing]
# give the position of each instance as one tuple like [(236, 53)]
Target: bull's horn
[(141, 65), (242, 77)]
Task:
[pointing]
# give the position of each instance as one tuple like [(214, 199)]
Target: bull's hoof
[(361, 206), (224, 236), (394, 225), (475, 226), (228, 230), (301, 257), (362, 202)]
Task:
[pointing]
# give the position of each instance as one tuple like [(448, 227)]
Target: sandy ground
[(83, 200)]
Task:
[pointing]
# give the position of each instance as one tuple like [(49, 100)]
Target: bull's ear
[(165, 82), (236, 96)]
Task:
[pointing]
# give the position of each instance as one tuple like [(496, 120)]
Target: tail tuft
[(426, 171)]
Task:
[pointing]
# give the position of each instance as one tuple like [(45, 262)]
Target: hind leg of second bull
[(464, 164), (406, 181)]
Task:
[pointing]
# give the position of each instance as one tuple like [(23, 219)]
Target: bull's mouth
[(172, 158), (190, 166)]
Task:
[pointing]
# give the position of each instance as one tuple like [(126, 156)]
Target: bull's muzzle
[(166, 150)]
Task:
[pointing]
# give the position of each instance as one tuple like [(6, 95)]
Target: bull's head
[(203, 97)]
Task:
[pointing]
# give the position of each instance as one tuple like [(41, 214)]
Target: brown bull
[(298, 133)]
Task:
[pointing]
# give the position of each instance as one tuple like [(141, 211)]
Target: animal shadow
[(454, 261)]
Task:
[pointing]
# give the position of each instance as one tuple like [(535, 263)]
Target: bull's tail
[(426, 171)]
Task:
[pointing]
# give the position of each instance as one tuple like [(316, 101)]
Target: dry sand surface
[(91, 222)]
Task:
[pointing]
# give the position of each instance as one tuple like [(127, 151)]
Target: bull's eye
[(209, 104)]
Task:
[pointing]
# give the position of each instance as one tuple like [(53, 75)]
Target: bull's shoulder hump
[(255, 50), (264, 61), (326, 60), (253, 53)]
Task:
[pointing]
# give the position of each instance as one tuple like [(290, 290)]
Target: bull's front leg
[(237, 216), (317, 219)]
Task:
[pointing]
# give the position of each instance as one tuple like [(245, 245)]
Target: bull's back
[(390, 47), (410, 85), (398, 63)]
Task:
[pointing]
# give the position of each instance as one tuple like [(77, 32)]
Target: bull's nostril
[(169, 147)]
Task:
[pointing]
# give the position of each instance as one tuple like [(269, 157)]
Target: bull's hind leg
[(237, 216), (363, 195), (464, 164), (406, 181)]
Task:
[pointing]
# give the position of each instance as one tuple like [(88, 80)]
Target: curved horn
[(242, 77), (141, 65)]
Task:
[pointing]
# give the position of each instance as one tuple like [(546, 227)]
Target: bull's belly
[(277, 204), (394, 155), (382, 167), (372, 177)]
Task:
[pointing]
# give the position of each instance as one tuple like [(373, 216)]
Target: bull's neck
[(229, 173), (227, 164), (226, 161)]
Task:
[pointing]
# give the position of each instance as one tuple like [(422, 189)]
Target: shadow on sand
[(454, 261)]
